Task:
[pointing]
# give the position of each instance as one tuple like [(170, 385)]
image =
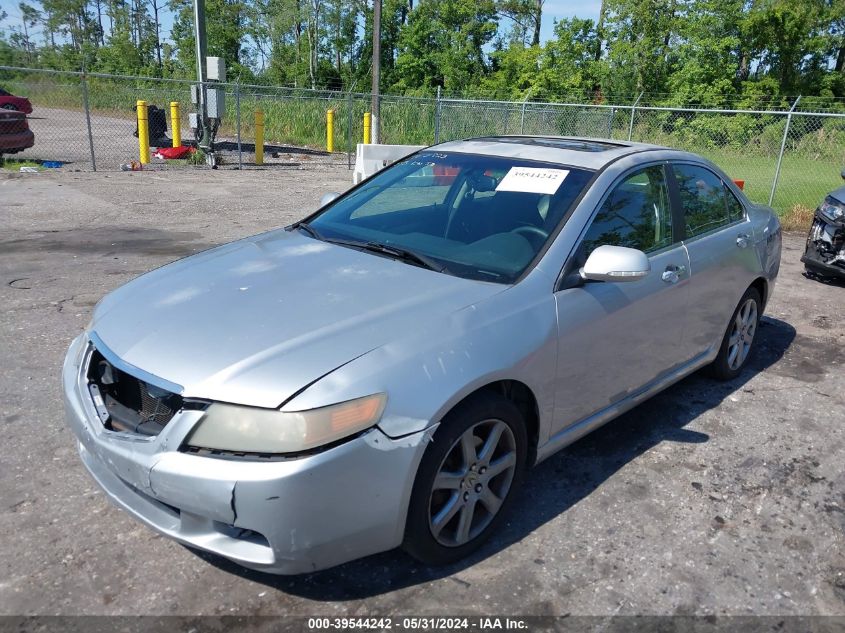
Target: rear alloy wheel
[(466, 479), (739, 337)]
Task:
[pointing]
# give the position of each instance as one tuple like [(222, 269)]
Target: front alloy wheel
[(473, 480), (466, 479)]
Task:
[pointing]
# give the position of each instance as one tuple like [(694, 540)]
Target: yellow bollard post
[(367, 128), (143, 132), (329, 131), (174, 124), (259, 137)]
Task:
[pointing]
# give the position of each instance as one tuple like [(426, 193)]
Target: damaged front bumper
[(287, 517)]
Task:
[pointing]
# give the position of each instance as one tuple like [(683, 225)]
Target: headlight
[(832, 210), (238, 429)]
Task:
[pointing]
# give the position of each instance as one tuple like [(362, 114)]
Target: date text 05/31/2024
[(430, 623)]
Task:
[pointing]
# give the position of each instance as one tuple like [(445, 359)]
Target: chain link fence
[(87, 121)]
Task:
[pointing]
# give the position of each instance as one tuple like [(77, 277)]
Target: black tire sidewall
[(418, 541), (720, 368)]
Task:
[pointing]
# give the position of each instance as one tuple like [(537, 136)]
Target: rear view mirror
[(328, 197), (481, 183), (615, 263)]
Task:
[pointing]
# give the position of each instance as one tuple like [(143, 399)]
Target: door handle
[(743, 240), (672, 274)]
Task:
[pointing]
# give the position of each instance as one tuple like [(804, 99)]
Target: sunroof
[(558, 143)]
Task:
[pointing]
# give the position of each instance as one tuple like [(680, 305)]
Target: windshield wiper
[(304, 226), (405, 255), (375, 247), (392, 251)]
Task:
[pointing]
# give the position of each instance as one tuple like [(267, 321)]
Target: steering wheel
[(534, 234)]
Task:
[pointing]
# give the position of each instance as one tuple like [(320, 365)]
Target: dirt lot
[(63, 135), (710, 499)]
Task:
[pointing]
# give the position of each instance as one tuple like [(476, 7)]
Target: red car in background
[(15, 135), (9, 101)]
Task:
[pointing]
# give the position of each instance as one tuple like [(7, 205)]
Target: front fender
[(509, 336)]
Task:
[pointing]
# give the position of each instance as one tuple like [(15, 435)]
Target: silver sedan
[(383, 372)]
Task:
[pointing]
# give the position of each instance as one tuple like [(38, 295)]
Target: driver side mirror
[(328, 197), (615, 263), (843, 174)]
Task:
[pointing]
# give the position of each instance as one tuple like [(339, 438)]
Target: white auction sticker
[(532, 180)]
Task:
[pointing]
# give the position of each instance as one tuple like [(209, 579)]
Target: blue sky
[(557, 9), (553, 9)]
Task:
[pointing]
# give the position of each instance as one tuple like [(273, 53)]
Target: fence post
[(238, 120), (437, 118), (782, 148), (522, 116), (88, 119), (633, 112), (349, 132)]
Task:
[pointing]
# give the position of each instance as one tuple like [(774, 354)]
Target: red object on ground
[(174, 152), (444, 175), (9, 101), (740, 184)]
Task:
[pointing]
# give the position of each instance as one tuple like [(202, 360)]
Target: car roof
[(574, 151)]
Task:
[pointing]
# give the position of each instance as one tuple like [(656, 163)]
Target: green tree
[(791, 38), (562, 66), (639, 35), (443, 45), (712, 54), (225, 28)]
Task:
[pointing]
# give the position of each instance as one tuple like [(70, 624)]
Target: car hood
[(255, 321)]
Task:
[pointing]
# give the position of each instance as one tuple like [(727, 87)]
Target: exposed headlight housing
[(239, 429), (832, 210)]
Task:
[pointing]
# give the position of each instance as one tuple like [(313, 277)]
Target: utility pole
[(374, 108), (201, 46)]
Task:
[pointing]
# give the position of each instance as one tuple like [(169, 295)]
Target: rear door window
[(735, 210)]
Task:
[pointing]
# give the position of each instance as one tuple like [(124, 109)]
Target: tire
[(468, 491), (810, 273), (734, 353)]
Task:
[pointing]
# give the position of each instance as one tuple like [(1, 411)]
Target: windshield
[(480, 217)]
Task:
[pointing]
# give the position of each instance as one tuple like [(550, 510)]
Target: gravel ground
[(63, 135), (712, 498)]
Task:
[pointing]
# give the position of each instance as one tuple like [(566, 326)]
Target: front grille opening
[(125, 403), (242, 534)]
